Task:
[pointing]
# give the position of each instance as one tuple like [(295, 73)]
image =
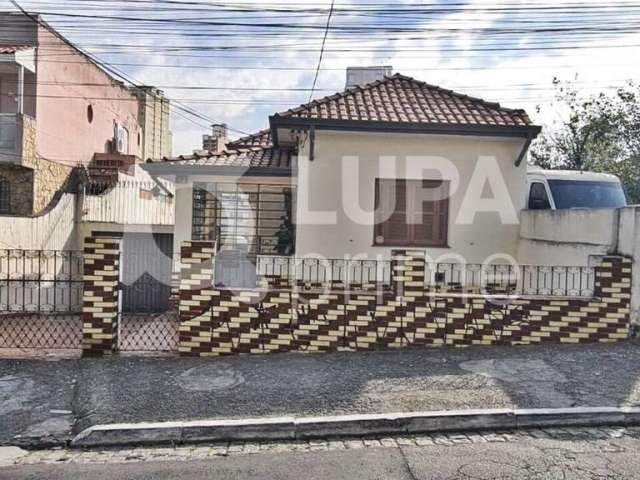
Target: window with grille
[(258, 218), (411, 213), (5, 196)]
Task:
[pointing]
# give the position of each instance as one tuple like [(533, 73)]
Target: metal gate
[(146, 265), (146, 322)]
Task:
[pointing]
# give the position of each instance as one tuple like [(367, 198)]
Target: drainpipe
[(21, 89)]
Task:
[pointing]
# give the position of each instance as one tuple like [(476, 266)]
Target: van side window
[(538, 199)]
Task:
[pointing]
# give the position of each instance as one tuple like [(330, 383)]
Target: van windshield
[(581, 194)]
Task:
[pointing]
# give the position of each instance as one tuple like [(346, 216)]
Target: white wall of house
[(332, 183)]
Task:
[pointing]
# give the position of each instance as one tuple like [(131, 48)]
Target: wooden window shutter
[(411, 212)]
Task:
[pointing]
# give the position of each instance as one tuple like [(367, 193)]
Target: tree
[(599, 133)]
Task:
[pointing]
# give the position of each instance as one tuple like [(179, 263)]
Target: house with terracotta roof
[(394, 163)]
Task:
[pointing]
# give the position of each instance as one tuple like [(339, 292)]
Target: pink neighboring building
[(58, 110)]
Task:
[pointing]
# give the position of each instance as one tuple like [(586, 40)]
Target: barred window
[(256, 217), (5, 196)]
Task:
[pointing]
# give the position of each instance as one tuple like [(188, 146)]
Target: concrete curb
[(290, 428)]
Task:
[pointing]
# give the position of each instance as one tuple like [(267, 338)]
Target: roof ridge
[(390, 78), (343, 93)]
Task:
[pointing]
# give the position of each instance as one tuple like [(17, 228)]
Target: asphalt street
[(525, 458), (50, 401)]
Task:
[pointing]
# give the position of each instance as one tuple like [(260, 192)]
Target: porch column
[(407, 272), (197, 296), (100, 296)]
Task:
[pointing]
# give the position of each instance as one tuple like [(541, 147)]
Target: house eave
[(279, 122)]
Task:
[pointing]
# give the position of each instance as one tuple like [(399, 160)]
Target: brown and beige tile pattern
[(100, 297), (228, 322)]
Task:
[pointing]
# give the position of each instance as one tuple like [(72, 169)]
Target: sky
[(218, 58)]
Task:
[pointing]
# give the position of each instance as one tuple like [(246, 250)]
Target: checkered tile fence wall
[(222, 322), (100, 296)]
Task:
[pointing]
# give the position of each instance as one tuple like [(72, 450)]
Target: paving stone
[(424, 441), (493, 437), (353, 444), (223, 449), (441, 440), (388, 442), (405, 441), (372, 443), (336, 445)]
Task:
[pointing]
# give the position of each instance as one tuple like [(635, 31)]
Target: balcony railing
[(128, 203)]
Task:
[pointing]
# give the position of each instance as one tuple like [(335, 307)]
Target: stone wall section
[(21, 188), (100, 296), (35, 182), (263, 321), (49, 178)]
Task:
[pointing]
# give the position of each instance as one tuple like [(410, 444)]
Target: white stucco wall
[(333, 183), (570, 237), (53, 230), (629, 244), (566, 237)]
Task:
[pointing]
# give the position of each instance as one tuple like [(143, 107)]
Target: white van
[(560, 189)]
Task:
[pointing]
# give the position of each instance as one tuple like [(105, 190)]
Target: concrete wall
[(65, 90), (572, 237), (53, 230), (129, 203), (629, 245), (566, 237), (388, 156)]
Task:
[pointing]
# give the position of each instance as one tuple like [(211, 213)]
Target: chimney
[(217, 141), (361, 75)]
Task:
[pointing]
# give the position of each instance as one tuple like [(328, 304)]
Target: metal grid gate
[(146, 322), (41, 299)]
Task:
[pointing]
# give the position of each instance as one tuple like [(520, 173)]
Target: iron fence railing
[(237, 270), (320, 272), (41, 281), (512, 279)]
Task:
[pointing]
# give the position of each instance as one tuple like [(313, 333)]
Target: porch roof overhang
[(23, 56), (236, 162), (164, 169)]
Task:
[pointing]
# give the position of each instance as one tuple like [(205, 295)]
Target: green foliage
[(600, 133)]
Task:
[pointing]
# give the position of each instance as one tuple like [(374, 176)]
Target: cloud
[(440, 48)]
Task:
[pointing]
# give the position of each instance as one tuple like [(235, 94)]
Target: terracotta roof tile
[(13, 48), (243, 157), (399, 98), (259, 139)]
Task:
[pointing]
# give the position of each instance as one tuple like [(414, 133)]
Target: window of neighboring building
[(5, 196), (121, 135), (90, 114), (538, 198), (411, 213)]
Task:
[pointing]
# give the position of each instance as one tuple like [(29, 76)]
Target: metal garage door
[(146, 272)]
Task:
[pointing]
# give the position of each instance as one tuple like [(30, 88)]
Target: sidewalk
[(47, 402)]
